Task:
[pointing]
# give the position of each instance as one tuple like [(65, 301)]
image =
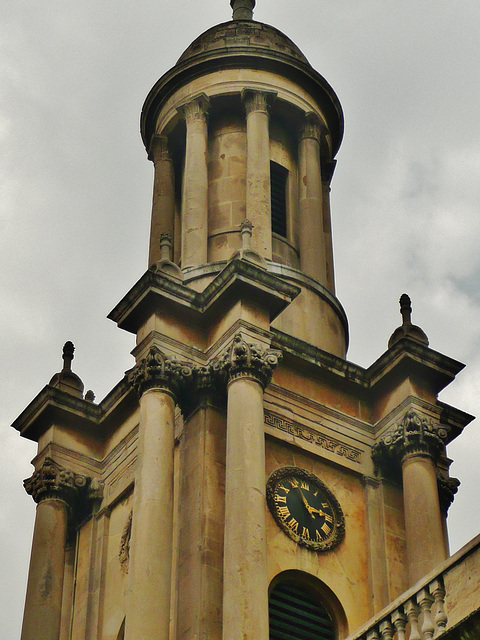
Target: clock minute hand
[(309, 508)]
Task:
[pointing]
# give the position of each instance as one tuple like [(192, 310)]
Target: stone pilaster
[(258, 195), (416, 444), (312, 242), (159, 381), (195, 184), (248, 370), (163, 206), (58, 493)]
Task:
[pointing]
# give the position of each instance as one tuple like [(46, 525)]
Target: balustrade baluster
[(425, 601), (412, 611), (373, 634), (386, 629), (399, 620), (438, 592)]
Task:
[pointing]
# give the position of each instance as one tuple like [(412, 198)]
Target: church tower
[(243, 481)]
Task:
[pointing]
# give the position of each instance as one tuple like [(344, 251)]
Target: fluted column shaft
[(195, 184), (312, 242), (43, 603), (258, 194), (163, 206), (423, 521), (148, 604), (245, 585)]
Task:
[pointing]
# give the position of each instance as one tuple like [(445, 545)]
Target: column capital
[(312, 127), (159, 371), (196, 109), (256, 100), (52, 481), (245, 360), (158, 149), (412, 436)]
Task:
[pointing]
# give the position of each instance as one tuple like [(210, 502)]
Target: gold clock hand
[(309, 508)]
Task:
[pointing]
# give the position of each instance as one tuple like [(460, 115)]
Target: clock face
[(305, 509)]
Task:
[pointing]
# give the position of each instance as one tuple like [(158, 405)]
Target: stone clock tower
[(243, 481)]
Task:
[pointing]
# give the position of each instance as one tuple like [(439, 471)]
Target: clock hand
[(309, 508)]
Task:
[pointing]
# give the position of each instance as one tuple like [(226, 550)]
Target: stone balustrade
[(445, 600)]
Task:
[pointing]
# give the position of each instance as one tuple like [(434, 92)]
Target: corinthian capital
[(412, 435), (159, 371), (256, 100), (243, 359), (196, 109), (52, 481), (158, 148), (312, 127)]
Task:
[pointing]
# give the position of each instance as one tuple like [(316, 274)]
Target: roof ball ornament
[(242, 9)]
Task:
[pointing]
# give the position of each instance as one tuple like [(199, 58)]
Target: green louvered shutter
[(296, 615)]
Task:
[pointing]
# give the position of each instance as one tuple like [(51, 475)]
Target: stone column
[(56, 491), (158, 380), (163, 207), (245, 580), (417, 444), (195, 184), (258, 196), (328, 168), (312, 241)]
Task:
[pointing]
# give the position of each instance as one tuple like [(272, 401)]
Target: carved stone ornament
[(124, 553), (312, 127), (52, 481), (413, 435), (196, 109), (447, 488), (243, 359), (255, 101), (157, 370)]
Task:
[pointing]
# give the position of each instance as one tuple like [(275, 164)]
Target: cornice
[(238, 278)]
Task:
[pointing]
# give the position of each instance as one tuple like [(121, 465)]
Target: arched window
[(296, 614)]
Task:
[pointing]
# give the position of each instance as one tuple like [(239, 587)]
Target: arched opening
[(301, 607)]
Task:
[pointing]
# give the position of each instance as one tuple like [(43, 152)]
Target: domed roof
[(239, 36)]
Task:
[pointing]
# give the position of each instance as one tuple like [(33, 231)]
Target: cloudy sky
[(75, 196)]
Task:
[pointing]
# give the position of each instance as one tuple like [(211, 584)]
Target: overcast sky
[(75, 197)]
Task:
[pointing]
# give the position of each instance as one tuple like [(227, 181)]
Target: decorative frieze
[(52, 481), (312, 436), (413, 435), (159, 371)]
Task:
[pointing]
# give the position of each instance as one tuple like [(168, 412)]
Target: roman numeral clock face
[(305, 509)]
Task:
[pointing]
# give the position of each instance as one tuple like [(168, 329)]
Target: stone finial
[(165, 264), (407, 329), (66, 380), (246, 252), (68, 351), (242, 9)]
